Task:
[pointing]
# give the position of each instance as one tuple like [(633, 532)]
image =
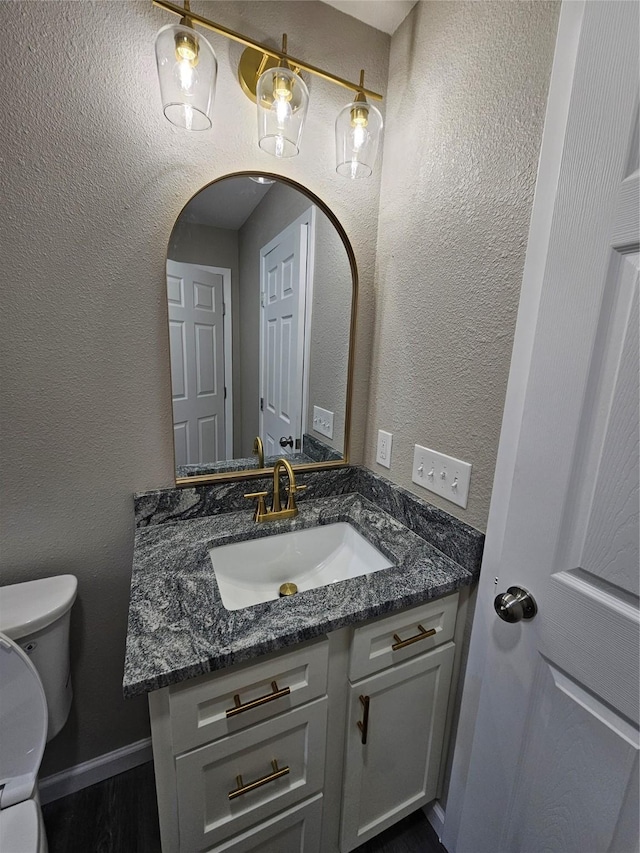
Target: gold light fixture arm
[(264, 49)]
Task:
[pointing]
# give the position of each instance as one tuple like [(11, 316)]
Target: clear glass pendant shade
[(282, 98), (358, 130), (187, 71)]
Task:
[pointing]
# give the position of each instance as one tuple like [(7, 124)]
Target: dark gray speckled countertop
[(178, 627)]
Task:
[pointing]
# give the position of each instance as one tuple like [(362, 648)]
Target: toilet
[(35, 698)]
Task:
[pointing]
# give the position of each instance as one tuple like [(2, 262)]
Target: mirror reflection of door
[(271, 243), (285, 283), (196, 303)]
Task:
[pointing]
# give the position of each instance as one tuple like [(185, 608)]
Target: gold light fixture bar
[(267, 51)]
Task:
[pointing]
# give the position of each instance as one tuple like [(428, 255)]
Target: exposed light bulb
[(283, 112), (186, 76), (185, 72), (358, 137), (282, 96)]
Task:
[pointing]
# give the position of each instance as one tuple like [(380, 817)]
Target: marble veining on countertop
[(179, 628)]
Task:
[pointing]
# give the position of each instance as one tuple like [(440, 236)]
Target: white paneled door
[(283, 279), (547, 747), (196, 334)]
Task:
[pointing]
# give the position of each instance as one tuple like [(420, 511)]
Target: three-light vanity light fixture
[(187, 70)]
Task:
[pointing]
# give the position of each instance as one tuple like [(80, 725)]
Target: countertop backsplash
[(459, 541)]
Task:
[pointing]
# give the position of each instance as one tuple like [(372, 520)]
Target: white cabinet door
[(396, 770)]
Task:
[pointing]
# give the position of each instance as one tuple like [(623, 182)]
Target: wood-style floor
[(120, 815)]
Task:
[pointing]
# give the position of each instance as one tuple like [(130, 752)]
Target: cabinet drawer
[(207, 776), (295, 831), (201, 707), (372, 646)]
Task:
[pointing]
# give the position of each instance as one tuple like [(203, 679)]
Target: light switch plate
[(383, 452), (441, 474), (323, 421)]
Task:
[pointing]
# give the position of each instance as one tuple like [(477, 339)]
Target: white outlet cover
[(441, 474), (383, 452)]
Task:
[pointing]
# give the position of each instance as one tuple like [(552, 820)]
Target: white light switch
[(383, 453), (443, 475), (323, 421)]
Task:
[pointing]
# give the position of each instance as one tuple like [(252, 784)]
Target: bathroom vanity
[(308, 723), (242, 758)]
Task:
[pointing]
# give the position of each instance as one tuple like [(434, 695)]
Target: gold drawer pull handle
[(402, 644), (364, 724), (278, 773), (239, 707)]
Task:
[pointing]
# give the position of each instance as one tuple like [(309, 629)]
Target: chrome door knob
[(286, 442), (515, 604)]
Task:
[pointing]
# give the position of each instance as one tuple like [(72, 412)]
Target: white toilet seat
[(23, 725), (20, 828)]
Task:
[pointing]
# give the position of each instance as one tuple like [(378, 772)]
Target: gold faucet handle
[(261, 508), (291, 500)]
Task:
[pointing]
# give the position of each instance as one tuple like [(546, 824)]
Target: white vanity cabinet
[(242, 759)]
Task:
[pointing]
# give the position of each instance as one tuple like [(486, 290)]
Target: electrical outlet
[(383, 453), (441, 474), (323, 421)]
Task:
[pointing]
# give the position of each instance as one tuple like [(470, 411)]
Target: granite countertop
[(179, 628)]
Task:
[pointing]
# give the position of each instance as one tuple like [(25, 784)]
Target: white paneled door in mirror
[(196, 334), (282, 332)]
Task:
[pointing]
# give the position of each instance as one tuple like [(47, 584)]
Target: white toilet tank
[(36, 615)]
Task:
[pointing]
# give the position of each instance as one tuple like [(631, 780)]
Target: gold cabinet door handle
[(363, 724), (239, 707), (278, 773), (402, 644)]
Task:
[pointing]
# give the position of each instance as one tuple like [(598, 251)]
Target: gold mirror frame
[(255, 473)]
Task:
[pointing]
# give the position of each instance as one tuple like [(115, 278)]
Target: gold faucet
[(258, 447), (276, 512)]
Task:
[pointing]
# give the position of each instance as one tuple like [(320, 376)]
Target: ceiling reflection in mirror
[(260, 294)]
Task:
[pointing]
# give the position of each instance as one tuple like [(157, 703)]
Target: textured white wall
[(92, 179), (465, 108)]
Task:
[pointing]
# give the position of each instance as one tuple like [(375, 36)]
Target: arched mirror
[(261, 292)]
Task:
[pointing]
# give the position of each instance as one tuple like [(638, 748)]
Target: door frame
[(307, 218), (527, 337)]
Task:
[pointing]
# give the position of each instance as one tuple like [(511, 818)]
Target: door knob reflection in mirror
[(515, 604), (286, 442)]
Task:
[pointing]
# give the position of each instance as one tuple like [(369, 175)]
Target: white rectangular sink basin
[(253, 571)]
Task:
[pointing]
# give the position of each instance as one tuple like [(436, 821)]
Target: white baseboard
[(435, 815), (93, 771)]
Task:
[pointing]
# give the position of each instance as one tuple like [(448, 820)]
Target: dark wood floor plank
[(120, 815)]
